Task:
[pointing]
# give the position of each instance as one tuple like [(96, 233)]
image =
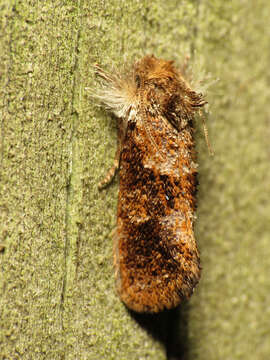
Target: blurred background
[(57, 280)]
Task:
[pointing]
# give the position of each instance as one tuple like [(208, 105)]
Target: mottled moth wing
[(157, 261)]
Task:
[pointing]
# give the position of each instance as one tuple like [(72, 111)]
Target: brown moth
[(156, 258)]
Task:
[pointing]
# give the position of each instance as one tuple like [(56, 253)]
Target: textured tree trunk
[(57, 281)]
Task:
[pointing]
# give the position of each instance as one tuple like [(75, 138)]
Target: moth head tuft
[(117, 91), (152, 68)]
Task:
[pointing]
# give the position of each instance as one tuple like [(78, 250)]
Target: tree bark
[(57, 292)]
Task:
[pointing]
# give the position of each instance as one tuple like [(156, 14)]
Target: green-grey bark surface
[(57, 296)]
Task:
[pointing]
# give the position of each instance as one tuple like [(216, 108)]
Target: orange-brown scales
[(156, 258)]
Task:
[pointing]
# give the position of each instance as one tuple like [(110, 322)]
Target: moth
[(156, 258)]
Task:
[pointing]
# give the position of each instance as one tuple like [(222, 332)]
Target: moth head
[(152, 71), (159, 83), (163, 89)]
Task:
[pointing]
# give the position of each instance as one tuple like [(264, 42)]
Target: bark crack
[(72, 225)]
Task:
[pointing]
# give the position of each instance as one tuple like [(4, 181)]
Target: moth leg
[(185, 65), (111, 173), (99, 71)]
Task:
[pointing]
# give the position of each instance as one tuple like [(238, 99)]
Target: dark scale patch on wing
[(170, 111), (149, 250)]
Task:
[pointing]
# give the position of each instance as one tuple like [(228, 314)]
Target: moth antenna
[(185, 65), (210, 150)]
